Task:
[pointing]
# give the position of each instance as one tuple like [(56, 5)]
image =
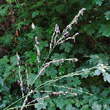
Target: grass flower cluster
[(56, 39)]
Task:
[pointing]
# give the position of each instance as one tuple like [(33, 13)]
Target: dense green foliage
[(81, 85)]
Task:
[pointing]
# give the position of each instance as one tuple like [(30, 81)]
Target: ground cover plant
[(75, 73)]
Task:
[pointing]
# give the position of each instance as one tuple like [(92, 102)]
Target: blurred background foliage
[(91, 48)]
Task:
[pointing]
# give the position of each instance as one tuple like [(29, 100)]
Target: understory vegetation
[(54, 55)]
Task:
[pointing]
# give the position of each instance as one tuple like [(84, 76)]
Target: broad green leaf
[(41, 104), (105, 30), (104, 93), (31, 78), (89, 28), (97, 72), (85, 107), (78, 103), (8, 71), (107, 15), (94, 59), (98, 2), (59, 103), (37, 82), (66, 47), (96, 106), (52, 72), (95, 89), (59, 8), (106, 77), (73, 81), (62, 70), (85, 72), (2, 68), (43, 44), (13, 60), (58, 56), (69, 107), (106, 107), (4, 60)]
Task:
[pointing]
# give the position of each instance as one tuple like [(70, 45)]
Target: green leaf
[(4, 60), (8, 71), (85, 72), (3, 10), (10, 1), (13, 60), (7, 39), (89, 28), (107, 15), (85, 107), (35, 13), (104, 93), (62, 70), (19, 25), (39, 3), (59, 103), (51, 104), (58, 56), (32, 59), (43, 44), (98, 2), (69, 107), (73, 81), (1, 81), (78, 103), (94, 59), (96, 106), (59, 8), (41, 104), (1, 19), (106, 77), (95, 89), (85, 99), (52, 72), (97, 72), (106, 107), (31, 78), (105, 29), (38, 82), (2, 68), (66, 47), (30, 35)]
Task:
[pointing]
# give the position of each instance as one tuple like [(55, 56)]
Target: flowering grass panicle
[(56, 39), (19, 73)]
